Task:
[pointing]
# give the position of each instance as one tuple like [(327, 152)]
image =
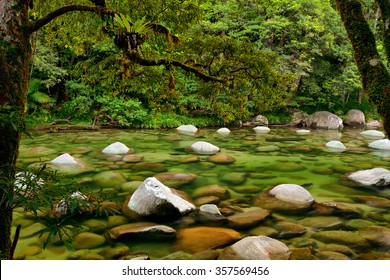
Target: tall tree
[(374, 74)]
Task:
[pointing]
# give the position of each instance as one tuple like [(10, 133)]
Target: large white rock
[(337, 145), (256, 248), (303, 131), (261, 129), (187, 128), (223, 130), (116, 148), (373, 134), (383, 144), (371, 177), (292, 193), (204, 148), (65, 159), (153, 198)]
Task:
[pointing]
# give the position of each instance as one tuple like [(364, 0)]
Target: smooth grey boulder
[(355, 118), (116, 148), (256, 248), (324, 120), (376, 177), (383, 144), (223, 130), (373, 134), (261, 129), (153, 198), (187, 128), (204, 148), (292, 193)]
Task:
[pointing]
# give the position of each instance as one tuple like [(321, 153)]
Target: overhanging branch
[(133, 56), (38, 24)]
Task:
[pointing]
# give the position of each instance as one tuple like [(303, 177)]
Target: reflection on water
[(261, 161)]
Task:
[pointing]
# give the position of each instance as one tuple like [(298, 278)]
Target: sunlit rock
[(256, 248), (292, 193), (303, 131), (373, 134), (223, 131), (376, 177), (116, 148), (336, 146), (261, 129), (383, 144), (187, 128), (204, 148), (152, 198), (65, 159)]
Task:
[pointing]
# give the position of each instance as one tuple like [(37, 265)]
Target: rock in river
[(116, 149), (376, 177), (204, 148), (256, 248), (152, 198)]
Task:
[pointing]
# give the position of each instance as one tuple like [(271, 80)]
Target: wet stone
[(348, 238), (114, 253), (287, 167), (142, 230), (190, 159), (329, 255), (378, 236), (373, 201), (132, 158), (288, 230), (247, 189), (178, 255), (302, 254), (149, 166), (264, 230), (198, 239), (234, 178), (211, 190), (205, 255), (175, 180), (221, 159), (269, 148), (211, 199), (88, 240), (355, 224), (248, 219), (322, 223), (345, 250)]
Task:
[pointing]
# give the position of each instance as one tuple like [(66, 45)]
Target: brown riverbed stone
[(221, 159), (302, 254), (248, 219), (149, 166), (88, 240), (211, 190), (175, 180), (372, 200), (348, 238), (198, 239), (320, 222), (207, 200), (289, 230), (329, 255), (142, 230)]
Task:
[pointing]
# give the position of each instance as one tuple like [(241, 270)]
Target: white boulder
[(204, 148), (153, 198), (187, 128), (261, 129), (337, 145), (256, 248), (116, 148), (383, 144), (223, 130), (292, 193), (64, 159), (376, 177), (303, 131), (373, 134)]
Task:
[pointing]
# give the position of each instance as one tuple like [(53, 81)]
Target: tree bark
[(15, 52), (374, 75)]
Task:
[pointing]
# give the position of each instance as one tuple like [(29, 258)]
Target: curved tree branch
[(38, 24), (133, 56)]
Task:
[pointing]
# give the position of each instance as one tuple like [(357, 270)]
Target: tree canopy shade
[(374, 74)]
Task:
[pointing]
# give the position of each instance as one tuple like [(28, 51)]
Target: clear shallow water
[(262, 161)]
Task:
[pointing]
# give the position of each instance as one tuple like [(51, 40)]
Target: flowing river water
[(257, 162)]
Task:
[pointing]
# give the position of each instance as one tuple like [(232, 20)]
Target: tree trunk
[(374, 75), (15, 52)]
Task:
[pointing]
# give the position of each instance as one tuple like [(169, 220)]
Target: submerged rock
[(256, 248), (87, 240), (376, 177), (349, 238), (303, 131), (116, 148), (248, 219), (211, 190), (204, 148), (175, 180), (221, 159), (198, 239), (154, 199), (142, 230)]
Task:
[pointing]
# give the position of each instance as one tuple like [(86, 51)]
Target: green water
[(299, 159)]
